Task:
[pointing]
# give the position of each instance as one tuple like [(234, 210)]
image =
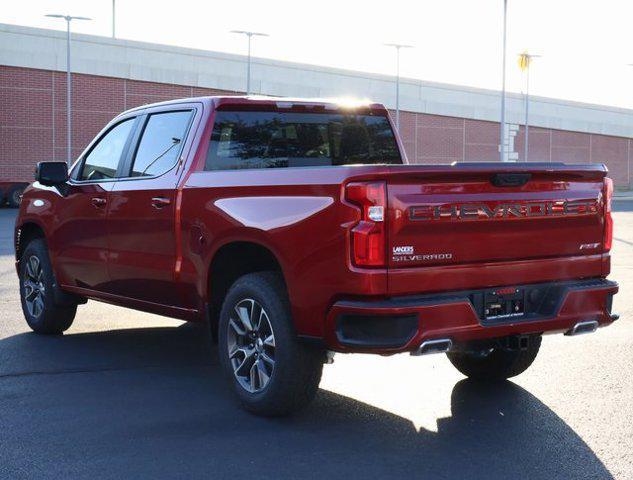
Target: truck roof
[(240, 100)]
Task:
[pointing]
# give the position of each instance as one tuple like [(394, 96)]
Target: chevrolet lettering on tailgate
[(482, 211)]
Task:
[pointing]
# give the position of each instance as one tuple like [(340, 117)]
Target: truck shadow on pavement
[(145, 403)]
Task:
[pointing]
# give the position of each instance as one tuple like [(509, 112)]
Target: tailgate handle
[(510, 179)]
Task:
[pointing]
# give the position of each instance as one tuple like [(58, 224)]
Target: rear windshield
[(288, 139)]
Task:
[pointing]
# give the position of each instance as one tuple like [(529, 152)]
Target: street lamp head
[(250, 34), (398, 45), (525, 53), (68, 18)]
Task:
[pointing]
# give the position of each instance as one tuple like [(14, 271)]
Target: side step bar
[(441, 345), (588, 326)]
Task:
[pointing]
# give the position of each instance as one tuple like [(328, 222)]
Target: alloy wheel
[(16, 197), (251, 345), (34, 289)]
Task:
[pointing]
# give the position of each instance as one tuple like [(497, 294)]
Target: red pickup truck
[(297, 228)]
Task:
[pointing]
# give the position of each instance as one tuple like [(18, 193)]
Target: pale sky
[(586, 44)]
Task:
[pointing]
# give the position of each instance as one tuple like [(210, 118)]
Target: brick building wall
[(437, 139), (33, 126)]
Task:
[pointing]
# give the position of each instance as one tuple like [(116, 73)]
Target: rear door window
[(288, 139), (161, 143)]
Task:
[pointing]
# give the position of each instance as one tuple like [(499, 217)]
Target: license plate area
[(496, 306), (504, 303)]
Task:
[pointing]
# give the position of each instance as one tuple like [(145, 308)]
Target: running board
[(588, 326), (441, 345)]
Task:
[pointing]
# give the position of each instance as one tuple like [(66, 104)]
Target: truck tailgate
[(473, 214)]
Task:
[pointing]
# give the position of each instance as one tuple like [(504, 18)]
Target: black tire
[(43, 316), (14, 196), (294, 377), (496, 365)]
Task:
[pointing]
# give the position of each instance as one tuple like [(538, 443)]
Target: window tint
[(161, 143), (103, 160), (278, 139)]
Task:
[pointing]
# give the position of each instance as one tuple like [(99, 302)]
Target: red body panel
[(125, 250), (76, 231)]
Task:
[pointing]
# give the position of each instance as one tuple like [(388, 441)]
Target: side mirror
[(51, 173)]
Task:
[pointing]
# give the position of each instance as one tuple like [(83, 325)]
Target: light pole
[(68, 19), (629, 64), (113, 18), (525, 60), (502, 127), (398, 46), (248, 64)]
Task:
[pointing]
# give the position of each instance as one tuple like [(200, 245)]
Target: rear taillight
[(608, 219), (368, 235)]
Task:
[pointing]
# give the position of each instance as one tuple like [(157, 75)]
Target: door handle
[(98, 202), (160, 202)]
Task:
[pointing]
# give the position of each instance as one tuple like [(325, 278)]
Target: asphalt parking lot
[(130, 395)]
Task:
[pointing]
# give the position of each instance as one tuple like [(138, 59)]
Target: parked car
[(11, 192), (297, 228)]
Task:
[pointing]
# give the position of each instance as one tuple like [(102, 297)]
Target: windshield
[(287, 139)]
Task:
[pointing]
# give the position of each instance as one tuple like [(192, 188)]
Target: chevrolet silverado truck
[(297, 228)]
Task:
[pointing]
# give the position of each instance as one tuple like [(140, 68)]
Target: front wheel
[(495, 364), (37, 282), (270, 371)]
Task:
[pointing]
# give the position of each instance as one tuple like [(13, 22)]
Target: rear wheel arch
[(230, 262)]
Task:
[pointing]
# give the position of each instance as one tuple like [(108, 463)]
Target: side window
[(103, 160), (161, 143)]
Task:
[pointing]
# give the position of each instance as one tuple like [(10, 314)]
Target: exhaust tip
[(588, 326), (440, 345)]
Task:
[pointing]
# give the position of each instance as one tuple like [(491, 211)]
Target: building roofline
[(45, 49)]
